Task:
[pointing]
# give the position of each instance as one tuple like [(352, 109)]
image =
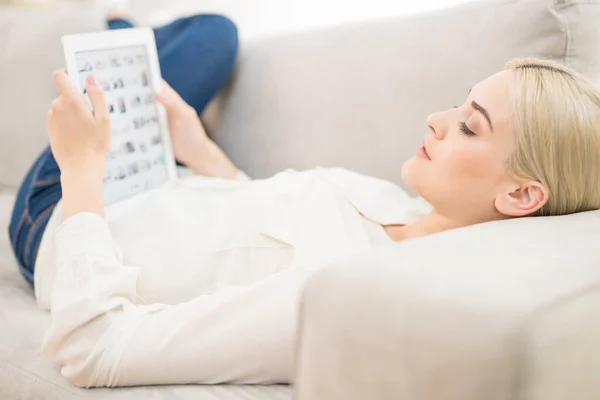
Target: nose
[(435, 123)]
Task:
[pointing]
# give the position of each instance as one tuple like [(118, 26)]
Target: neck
[(431, 223)]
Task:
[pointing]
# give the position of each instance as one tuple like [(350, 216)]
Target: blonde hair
[(556, 120)]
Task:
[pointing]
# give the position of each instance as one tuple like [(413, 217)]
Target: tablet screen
[(136, 162)]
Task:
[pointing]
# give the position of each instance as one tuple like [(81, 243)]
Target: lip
[(422, 152)]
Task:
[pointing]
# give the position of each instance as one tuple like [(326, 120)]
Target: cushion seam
[(565, 23), (28, 375), (569, 4)]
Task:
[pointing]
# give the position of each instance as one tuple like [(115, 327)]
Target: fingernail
[(91, 80)]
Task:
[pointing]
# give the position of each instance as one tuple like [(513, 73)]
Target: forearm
[(212, 161), (82, 189)]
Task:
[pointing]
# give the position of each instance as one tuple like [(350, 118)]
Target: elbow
[(77, 377), (73, 359), (84, 329), (78, 356)]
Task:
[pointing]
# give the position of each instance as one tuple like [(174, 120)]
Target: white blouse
[(205, 282)]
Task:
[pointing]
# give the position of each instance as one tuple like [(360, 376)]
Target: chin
[(415, 177), (410, 173)]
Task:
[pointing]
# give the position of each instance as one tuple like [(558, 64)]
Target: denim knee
[(225, 30)]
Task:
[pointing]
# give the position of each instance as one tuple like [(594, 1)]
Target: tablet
[(125, 64)]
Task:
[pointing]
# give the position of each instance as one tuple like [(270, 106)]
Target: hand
[(79, 138), (191, 144), (188, 136)]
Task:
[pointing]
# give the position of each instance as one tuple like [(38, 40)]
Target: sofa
[(499, 311)]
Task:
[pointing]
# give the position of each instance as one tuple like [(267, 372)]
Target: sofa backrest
[(30, 49), (358, 96), (354, 96)]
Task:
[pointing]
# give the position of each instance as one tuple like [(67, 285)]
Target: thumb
[(166, 101), (96, 95), (170, 99)]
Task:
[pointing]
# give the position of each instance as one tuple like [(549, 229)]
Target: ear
[(522, 201)]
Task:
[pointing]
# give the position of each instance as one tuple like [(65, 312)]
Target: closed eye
[(465, 129)]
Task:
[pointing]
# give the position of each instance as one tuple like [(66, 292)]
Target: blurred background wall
[(259, 18)]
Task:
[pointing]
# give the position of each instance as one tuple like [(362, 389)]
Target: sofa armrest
[(394, 324), (372, 331)]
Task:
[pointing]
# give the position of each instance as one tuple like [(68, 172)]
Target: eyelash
[(464, 129)]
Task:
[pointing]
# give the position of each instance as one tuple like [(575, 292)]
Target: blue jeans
[(197, 54)]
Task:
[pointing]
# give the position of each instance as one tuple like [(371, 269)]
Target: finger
[(169, 98), (64, 85), (97, 98), (166, 100), (50, 120), (56, 103), (167, 88)]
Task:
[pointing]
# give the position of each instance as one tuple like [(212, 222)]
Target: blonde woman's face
[(461, 167)]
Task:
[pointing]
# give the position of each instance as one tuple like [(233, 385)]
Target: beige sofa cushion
[(30, 49), (499, 311), (358, 96)]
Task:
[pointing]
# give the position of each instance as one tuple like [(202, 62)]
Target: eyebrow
[(483, 112)]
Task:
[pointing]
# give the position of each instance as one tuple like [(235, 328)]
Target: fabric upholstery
[(358, 96), (30, 49), (498, 311)]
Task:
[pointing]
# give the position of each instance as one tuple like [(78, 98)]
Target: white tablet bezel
[(112, 39)]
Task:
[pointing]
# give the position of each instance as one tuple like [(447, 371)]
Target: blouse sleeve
[(99, 336)]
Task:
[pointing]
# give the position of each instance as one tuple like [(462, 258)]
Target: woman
[(204, 284)]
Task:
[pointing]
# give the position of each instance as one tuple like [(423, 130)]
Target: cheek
[(465, 162), (469, 169), (471, 166)]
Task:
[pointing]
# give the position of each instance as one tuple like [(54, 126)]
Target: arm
[(211, 160), (100, 337), (80, 141)]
